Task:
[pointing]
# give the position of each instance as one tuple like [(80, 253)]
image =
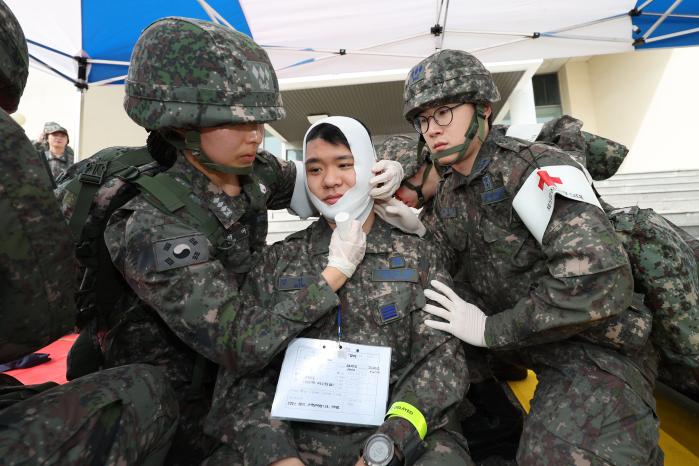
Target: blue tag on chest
[(448, 212), (396, 262), (493, 196), (388, 312), (394, 275), (292, 283)]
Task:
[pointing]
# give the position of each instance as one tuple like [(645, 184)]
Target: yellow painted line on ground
[(679, 422)]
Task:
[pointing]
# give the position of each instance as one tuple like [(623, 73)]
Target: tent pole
[(444, 26), (661, 19), (509, 42), (581, 37), (671, 35), (645, 4), (589, 23)]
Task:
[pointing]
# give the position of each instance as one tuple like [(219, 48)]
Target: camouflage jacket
[(577, 279), (37, 269), (182, 283), (427, 367), (59, 165)]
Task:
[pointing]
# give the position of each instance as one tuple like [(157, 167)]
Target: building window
[(294, 154), (272, 144), (547, 97)]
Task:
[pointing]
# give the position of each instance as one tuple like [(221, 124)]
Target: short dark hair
[(328, 133)]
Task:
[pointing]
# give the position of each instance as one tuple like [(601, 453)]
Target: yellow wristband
[(411, 414)]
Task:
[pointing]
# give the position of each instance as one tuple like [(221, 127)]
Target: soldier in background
[(54, 146), (124, 415)]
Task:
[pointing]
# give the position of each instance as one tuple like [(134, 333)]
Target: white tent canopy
[(311, 37)]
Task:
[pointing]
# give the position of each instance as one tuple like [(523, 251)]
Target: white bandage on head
[(356, 201)]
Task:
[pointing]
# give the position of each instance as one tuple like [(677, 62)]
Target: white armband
[(535, 200)]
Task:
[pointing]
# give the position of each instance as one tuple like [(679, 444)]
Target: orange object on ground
[(51, 371)]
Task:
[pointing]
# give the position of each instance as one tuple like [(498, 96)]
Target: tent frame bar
[(672, 34), (662, 19)]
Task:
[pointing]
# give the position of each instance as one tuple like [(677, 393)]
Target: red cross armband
[(536, 198)]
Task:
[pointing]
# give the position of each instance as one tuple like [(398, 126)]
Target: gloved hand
[(389, 175), (463, 320), (400, 216), (346, 250)]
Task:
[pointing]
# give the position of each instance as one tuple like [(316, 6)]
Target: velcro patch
[(448, 212), (388, 312), (494, 195), (394, 275), (287, 283), (179, 252), (396, 262), (417, 74), (263, 76)]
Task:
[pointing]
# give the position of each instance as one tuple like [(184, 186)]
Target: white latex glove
[(389, 174), (463, 320), (400, 216), (347, 248)]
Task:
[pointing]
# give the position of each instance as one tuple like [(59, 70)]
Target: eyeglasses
[(442, 116)]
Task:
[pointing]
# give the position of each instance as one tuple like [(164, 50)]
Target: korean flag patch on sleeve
[(535, 200), (179, 252)]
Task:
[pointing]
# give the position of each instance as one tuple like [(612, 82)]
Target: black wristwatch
[(379, 450)]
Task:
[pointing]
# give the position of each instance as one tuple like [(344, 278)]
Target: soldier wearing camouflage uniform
[(565, 304), (427, 367), (58, 163), (121, 416), (184, 245), (183, 285), (662, 259)]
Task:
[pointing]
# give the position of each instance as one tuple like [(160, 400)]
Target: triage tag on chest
[(321, 381)]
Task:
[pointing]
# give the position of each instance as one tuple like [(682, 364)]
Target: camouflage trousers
[(316, 447), (125, 415), (589, 410)]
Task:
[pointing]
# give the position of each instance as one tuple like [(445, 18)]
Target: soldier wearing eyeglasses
[(524, 228)]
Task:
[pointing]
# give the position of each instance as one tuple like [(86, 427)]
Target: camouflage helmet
[(447, 76), (189, 73), (14, 59), (403, 149)]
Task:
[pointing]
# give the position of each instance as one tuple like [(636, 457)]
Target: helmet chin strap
[(476, 127), (192, 142), (418, 188)]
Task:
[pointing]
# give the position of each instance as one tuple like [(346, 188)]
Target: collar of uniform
[(228, 209), (61, 158), (500, 138), (378, 240)]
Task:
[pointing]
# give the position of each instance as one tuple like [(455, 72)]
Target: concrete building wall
[(105, 122), (646, 100)]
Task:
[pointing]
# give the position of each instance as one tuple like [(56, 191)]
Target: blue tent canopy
[(110, 29), (665, 23)]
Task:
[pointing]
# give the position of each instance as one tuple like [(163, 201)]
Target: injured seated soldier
[(366, 381)]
